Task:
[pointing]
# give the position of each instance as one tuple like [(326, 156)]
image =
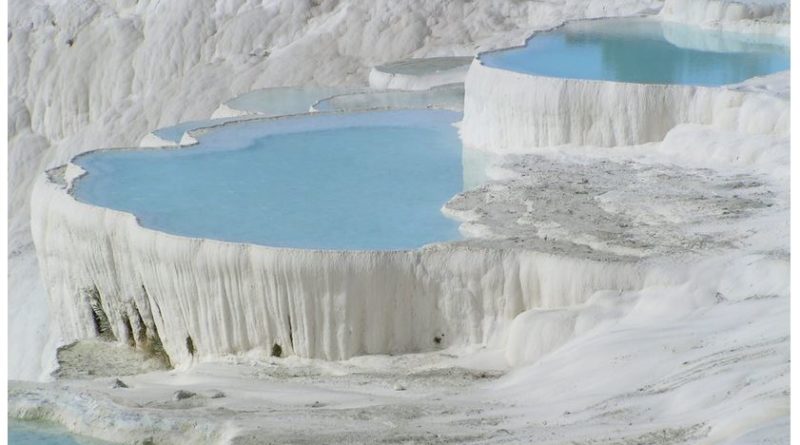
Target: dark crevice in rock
[(291, 335), (158, 308), (147, 341), (102, 326), (190, 345), (140, 335), (126, 324)]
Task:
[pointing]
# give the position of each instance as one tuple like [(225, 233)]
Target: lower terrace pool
[(38, 433), (644, 50), (360, 181)]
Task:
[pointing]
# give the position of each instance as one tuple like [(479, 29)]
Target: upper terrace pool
[(362, 181), (644, 50)]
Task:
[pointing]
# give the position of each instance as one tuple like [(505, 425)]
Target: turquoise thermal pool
[(37, 433), (643, 51), (360, 181)]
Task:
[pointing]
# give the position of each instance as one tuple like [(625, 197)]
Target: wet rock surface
[(612, 209), (89, 359)]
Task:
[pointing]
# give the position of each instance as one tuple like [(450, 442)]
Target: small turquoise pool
[(37, 433), (363, 181), (644, 51)]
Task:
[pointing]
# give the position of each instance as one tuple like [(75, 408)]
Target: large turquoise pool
[(644, 51), (364, 181)]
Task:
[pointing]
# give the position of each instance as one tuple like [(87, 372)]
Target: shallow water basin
[(358, 181)]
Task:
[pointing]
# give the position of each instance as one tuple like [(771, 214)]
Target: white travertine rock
[(740, 13), (507, 111)]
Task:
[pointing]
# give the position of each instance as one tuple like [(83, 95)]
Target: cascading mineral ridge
[(194, 297)]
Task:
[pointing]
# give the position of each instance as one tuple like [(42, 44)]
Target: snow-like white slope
[(755, 16), (86, 74), (681, 366)]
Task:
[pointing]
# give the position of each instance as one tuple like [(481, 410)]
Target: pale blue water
[(175, 132), (36, 433), (288, 100), (267, 102), (643, 51), (354, 181)]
